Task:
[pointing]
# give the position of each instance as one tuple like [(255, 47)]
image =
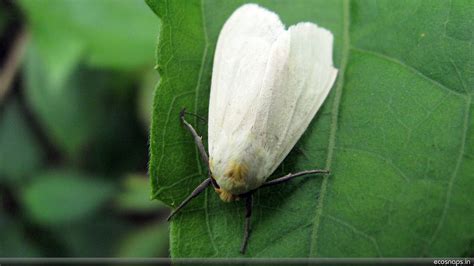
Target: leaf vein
[(356, 231), (452, 177), (165, 126), (379, 156), (332, 135), (412, 69)]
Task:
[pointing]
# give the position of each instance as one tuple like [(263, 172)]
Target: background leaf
[(50, 199), (80, 101), (100, 33), (97, 236), (132, 198), (396, 133), (20, 152), (94, 106), (3, 19), (146, 242), (14, 242)]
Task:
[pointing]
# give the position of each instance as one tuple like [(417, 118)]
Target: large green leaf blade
[(50, 199), (395, 132), (20, 150), (122, 40)]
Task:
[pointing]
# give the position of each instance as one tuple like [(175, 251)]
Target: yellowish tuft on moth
[(237, 173), (226, 196)]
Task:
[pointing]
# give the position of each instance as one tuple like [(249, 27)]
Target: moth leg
[(193, 194), (199, 144), (291, 176), (248, 214)]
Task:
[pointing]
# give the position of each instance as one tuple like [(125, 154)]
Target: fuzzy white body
[(267, 85)]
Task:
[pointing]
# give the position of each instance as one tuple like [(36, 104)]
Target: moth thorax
[(236, 173)]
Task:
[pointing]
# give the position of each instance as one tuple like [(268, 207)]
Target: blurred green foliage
[(112, 34), (74, 131), (64, 205), (131, 197), (3, 19), (145, 241), (18, 144)]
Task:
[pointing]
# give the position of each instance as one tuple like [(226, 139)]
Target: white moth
[(267, 85)]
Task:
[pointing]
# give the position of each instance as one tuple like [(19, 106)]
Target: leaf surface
[(148, 241), (15, 242), (61, 197), (82, 115), (108, 34), (20, 150), (396, 133), (3, 19), (132, 197)]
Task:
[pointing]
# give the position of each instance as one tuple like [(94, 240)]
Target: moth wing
[(240, 60), (295, 90)]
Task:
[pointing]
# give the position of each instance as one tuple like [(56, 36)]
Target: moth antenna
[(195, 115)]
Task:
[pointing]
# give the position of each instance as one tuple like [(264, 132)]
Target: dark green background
[(74, 130)]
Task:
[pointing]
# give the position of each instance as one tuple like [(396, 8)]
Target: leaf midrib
[(453, 175), (313, 251)]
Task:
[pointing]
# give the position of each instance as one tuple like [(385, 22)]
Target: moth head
[(231, 176)]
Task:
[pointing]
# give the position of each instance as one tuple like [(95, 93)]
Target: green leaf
[(97, 236), (108, 33), (14, 242), (20, 152), (61, 197), (82, 111), (134, 196), (80, 114), (396, 133), (3, 20), (150, 241)]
